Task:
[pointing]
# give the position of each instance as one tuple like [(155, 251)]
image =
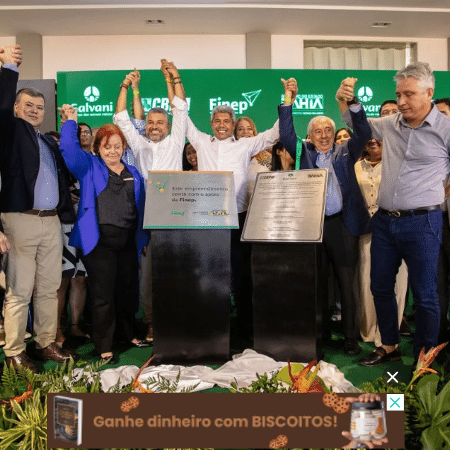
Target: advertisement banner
[(197, 420)]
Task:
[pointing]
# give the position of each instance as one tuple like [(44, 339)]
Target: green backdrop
[(251, 92)]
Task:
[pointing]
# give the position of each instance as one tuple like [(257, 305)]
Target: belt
[(41, 212), (332, 216), (409, 212)]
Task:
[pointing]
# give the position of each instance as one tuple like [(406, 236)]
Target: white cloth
[(242, 369), (163, 155), (230, 155), (369, 178)]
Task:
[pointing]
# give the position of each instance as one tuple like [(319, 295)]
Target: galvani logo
[(239, 106), (365, 94), (91, 94)]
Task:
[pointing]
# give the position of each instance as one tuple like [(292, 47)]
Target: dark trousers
[(241, 279), (341, 250), (444, 278), (112, 271), (417, 240)]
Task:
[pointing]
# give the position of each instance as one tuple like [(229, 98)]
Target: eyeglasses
[(85, 133)]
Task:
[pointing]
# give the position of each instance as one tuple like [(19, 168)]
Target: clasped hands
[(11, 54), (346, 91), (68, 112)]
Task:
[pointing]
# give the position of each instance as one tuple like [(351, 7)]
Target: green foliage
[(160, 384), (434, 413), (263, 384), (14, 383), (28, 428), (427, 411)]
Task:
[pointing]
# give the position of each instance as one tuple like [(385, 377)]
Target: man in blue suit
[(34, 198), (346, 216)]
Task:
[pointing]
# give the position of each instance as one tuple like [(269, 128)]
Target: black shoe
[(404, 328), (141, 344), (108, 359), (351, 347), (380, 356)]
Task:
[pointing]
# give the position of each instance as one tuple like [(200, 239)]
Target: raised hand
[(172, 70), (68, 112), (169, 69), (346, 90), (164, 69), (132, 79), (290, 90), (11, 54), (135, 79)]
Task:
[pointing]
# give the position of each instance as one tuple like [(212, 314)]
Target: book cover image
[(68, 416)]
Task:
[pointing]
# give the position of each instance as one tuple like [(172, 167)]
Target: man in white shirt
[(157, 150), (222, 152)]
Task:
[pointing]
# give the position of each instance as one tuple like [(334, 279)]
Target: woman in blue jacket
[(108, 229)]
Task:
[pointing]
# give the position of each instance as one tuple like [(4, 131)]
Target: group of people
[(377, 230)]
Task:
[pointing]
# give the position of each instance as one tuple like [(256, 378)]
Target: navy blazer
[(19, 157), (344, 157), (92, 173)]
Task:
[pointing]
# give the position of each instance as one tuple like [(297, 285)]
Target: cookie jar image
[(368, 421)]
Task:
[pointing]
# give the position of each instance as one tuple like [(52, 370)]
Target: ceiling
[(409, 18)]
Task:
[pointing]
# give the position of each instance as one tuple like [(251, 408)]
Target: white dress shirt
[(163, 155), (230, 155)]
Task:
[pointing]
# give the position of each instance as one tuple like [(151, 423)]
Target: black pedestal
[(191, 295), (287, 300)]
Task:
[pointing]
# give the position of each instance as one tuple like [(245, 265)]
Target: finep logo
[(365, 94), (239, 106), (91, 94)]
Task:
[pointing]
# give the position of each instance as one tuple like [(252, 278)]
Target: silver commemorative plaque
[(287, 206), (190, 200)]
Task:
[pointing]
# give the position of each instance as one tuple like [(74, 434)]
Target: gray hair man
[(408, 224), (346, 216)]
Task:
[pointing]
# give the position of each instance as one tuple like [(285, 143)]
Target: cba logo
[(365, 94), (91, 94)]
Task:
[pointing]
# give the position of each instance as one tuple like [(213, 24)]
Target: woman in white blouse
[(368, 174)]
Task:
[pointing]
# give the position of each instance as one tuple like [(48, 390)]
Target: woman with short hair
[(108, 229)]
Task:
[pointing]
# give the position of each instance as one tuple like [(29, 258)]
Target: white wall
[(7, 40), (67, 53), (284, 49)]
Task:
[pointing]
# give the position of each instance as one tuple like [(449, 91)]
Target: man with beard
[(157, 150)]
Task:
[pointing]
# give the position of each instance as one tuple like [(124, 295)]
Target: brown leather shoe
[(20, 360), (54, 353)]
